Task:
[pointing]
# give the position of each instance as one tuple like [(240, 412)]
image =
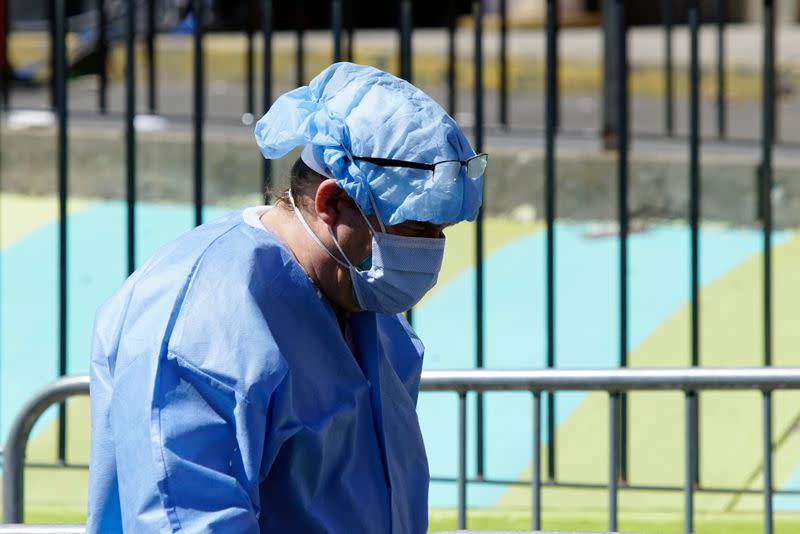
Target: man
[(254, 375)]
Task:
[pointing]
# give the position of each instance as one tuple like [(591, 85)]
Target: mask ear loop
[(311, 233), (339, 248), (369, 194)]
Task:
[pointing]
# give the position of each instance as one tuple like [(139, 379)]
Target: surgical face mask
[(401, 271)]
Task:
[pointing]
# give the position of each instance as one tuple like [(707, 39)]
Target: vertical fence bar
[(336, 27), (622, 193), (406, 21), (250, 60), (768, 131), (503, 60), (767, 407), (349, 28), (767, 135), (722, 15), (150, 41), (5, 67), (536, 477), (199, 109), (266, 166), (557, 105), (611, 77), (299, 29), (477, 15), (769, 19), (102, 46), (550, 210), (52, 13), (694, 207), (669, 123), (406, 26), (690, 452), (613, 458), (60, 77), (130, 131), (451, 57), (462, 460)]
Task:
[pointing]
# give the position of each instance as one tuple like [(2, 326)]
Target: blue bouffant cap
[(354, 110)]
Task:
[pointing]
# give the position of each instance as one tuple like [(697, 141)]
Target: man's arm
[(207, 446)]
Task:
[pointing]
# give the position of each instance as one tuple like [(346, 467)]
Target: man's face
[(355, 237), (417, 229), (360, 235)]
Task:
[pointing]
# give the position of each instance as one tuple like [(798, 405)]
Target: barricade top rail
[(612, 380)]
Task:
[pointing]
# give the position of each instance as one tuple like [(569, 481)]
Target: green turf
[(479, 519)]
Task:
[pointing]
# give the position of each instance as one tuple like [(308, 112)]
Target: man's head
[(383, 167), (351, 114), (322, 205)]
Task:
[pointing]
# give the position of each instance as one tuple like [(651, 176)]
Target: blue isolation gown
[(225, 399)]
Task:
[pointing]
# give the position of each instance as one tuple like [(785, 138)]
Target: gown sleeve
[(208, 443), (212, 391)]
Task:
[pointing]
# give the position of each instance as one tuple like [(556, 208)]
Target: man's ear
[(326, 201)]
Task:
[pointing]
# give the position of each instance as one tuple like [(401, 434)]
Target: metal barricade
[(615, 382), (18, 435)]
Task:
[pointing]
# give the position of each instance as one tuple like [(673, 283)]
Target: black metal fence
[(614, 129)]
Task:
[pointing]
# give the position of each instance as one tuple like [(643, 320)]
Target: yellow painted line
[(731, 449), (22, 214)]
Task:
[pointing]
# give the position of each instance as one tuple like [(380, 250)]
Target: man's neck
[(314, 261)]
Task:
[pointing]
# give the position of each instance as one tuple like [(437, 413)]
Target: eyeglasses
[(448, 169)]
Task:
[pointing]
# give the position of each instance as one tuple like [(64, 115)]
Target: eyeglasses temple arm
[(396, 163)]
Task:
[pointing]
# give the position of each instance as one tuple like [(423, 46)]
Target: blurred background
[(641, 210)]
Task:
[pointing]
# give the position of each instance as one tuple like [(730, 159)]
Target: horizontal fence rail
[(614, 381)]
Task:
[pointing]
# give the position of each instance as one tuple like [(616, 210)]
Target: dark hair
[(302, 179)]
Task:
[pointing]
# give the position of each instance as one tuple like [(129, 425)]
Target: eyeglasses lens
[(447, 170), (477, 166)]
